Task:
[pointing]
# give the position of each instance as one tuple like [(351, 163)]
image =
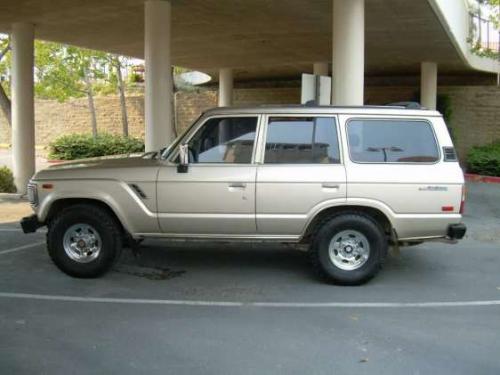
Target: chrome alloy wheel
[(349, 250), (82, 243)]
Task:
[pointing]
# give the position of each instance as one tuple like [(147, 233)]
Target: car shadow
[(160, 260), (217, 256)]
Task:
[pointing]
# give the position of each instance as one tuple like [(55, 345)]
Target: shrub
[(6, 181), (80, 146), (485, 160)]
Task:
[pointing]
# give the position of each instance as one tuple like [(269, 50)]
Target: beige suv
[(348, 181)]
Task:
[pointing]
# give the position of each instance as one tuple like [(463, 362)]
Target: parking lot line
[(138, 301), (19, 248), (20, 230)]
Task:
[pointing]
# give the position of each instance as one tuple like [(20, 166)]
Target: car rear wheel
[(84, 241), (349, 249)]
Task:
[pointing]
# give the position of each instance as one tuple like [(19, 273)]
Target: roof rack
[(313, 104), (407, 105)]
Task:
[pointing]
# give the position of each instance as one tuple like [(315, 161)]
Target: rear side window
[(391, 141), (302, 140)]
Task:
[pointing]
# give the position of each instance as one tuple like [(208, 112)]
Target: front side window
[(224, 140), (302, 140), (391, 141)]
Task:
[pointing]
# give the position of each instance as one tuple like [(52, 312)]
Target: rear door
[(398, 162), (300, 169)]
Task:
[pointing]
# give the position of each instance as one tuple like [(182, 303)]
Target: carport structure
[(240, 39)]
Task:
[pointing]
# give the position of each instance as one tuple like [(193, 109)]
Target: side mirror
[(182, 167)]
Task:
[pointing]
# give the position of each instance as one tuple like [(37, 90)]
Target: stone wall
[(476, 115), (53, 119), (189, 104), (475, 118)]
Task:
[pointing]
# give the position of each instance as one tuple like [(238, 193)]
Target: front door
[(301, 171), (216, 196)]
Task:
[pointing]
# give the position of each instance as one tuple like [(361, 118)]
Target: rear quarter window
[(391, 141)]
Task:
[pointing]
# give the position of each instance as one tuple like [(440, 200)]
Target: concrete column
[(23, 108), (226, 83), (158, 73), (428, 85), (320, 69), (348, 52)]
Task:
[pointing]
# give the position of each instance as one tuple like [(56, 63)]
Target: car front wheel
[(84, 241)]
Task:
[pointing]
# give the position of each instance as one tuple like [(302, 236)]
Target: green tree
[(495, 12), (119, 63), (5, 103), (65, 71), (492, 9)]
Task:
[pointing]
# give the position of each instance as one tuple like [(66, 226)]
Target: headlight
[(33, 194)]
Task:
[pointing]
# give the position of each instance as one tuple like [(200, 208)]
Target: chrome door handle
[(240, 185), (327, 185)]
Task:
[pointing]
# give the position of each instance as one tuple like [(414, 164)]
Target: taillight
[(462, 203)]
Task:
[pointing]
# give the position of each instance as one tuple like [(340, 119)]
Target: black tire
[(107, 228), (359, 222)]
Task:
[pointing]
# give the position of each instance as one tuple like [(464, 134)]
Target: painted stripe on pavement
[(138, 301), (19, 248), (20, 230)]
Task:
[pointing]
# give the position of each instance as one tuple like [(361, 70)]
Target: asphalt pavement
[(218, 308)]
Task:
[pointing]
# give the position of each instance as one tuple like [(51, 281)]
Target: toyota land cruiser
[(347, 181)]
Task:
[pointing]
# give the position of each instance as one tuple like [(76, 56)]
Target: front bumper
[(456, 231), (30, 224)]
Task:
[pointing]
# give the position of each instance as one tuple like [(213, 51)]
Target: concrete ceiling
[(259, 38)]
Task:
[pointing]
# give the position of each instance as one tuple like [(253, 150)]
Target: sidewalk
[(6, 159), (13, 211)]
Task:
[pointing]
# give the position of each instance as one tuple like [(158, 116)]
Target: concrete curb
[(478, 178)]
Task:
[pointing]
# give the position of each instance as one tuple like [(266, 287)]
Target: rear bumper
[(456, 231), (30, 224)]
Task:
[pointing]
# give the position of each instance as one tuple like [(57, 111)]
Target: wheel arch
[(378, 215), (62, 203)]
